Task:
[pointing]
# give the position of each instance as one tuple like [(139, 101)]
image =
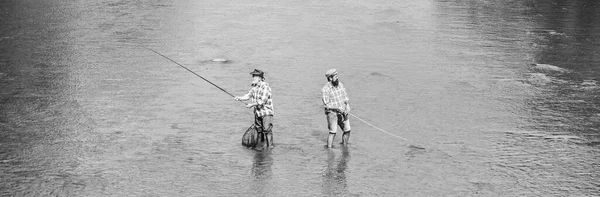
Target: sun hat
[(331, 72)]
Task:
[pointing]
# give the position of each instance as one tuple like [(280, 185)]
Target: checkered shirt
[(334, 97), (262, 92)]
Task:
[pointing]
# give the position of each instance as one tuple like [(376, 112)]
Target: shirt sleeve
[(250, 93), (326, 98), (346, 99)]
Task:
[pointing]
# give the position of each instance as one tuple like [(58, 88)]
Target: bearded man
[(335, 102)]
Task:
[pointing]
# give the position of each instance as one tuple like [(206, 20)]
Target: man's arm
[(346, 101), (347, 107), (244, 98), (326, 98)]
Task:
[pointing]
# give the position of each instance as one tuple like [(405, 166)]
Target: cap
[(331, 72)]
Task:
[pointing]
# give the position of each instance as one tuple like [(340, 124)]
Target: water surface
[(502, 96)]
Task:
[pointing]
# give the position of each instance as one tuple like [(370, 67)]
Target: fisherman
[(260, 98), (335, 101)]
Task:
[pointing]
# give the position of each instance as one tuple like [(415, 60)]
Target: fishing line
[(194, 73), (378, 127), (411, 146)]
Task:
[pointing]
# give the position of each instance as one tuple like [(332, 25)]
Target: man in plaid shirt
[(260, 98), (335, 101)]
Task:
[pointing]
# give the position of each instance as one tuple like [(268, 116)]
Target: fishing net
[(250, 138)]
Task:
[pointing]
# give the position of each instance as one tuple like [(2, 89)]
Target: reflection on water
[(334, 176), (261, 172)]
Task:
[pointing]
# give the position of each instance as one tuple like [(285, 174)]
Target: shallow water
[(503, 97)]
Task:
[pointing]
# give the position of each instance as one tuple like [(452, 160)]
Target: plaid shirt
[(334, 97), (261, 93)]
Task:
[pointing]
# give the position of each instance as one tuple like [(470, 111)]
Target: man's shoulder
[(326, 87), (264, 84)]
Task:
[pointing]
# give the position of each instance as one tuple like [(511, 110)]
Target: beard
[(335, 83)]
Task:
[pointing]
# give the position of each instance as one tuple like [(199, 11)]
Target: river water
[(487, 98)]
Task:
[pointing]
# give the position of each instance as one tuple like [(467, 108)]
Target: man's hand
[(346, 107), (236, 98), (344, 112)]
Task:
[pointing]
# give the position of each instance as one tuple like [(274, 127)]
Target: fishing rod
[(194, 73)]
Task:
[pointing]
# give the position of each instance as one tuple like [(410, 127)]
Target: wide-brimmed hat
[(258, 73), (331, 72)]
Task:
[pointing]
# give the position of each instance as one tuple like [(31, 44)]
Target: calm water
[(503, 97)]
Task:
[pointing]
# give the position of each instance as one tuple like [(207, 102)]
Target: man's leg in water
[(330, 140), (332, 126), (345, 137), (258, 122), (270, 139), (345, 125), (268, 129)]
